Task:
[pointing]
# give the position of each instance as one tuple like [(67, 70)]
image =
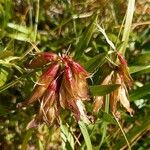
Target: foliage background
[(59, 25)]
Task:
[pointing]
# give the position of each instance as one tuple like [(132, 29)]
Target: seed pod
[(71, 104), (50, 115), (98, 103), (79, 83), (50, 96), (81, 87), (124, 100), (41, 59), (114, 96), (124, 71), (45, 80), (69, 81), (76, 67), (122, 60)]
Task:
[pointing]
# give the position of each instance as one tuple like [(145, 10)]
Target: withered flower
[(74, 89), (41, 59), (46, 78), (62, 85), (120, 76)]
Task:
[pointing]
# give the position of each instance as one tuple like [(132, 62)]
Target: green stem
[(36, 18), (30, 13), (122, 132), (128, 24), (104, 125)]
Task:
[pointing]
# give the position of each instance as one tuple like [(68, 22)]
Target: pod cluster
[(62, 85)]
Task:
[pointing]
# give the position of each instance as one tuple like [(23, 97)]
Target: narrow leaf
[(134, 134), (20, 28), (85, 135), (21, 37), (85, 39), (3, 76), (142, 59), (95, 62), (135, 69), (140, 92), (108, 118), (67, 138), (101, 90), (26, 139), (128, 24)]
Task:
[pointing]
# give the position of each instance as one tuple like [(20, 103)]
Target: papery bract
[(41, 59), (46, 78)]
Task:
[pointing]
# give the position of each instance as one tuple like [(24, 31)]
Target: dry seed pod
[(76, 67), (50, 95), (46, 78), (41, 59), (98, 103), (124, 71)]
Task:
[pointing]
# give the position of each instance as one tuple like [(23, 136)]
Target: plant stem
[(128, 25), (104, 125), (30, 13), (122, 132), (36, 18)]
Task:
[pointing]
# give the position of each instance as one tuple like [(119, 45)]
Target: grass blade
[(85, 39), (123, 132), (95, 62), (101, 90), (85, 135), (128, 24), (140, 92)]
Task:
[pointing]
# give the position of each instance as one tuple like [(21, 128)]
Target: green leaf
[(21, 36), (101, 90), (134, 133), (26, 139), (135, 69), (67, 138), (6, 53), (128, 25), (142, 59), (85, 135), (108, 118), (20, 28), (140, 92), (3, 76), (85, 39), (95, 62)]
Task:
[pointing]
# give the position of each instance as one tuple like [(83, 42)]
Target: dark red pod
[(76, 67), (122, 60), (68, 78), (124, 71), (41, 59), (45, 80), (50, 95)]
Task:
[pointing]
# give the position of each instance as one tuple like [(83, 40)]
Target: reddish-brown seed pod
[(41, 59), (76, 67), (124, 71), (69, 79), (46, 78), (122, 60), (72, 106), (50, 95)]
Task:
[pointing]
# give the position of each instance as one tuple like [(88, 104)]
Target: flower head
[(122, 77), (62, 85)]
